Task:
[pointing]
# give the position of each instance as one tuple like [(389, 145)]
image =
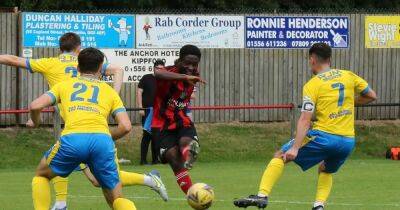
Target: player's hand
[(290, 155), (30, 124), (141, 113), (194, 79)]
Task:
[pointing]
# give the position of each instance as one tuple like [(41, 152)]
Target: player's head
[(70, 42), (90, 61), (158, 64), (319, 57), (188, 61)]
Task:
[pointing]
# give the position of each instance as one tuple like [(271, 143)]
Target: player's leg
[(275, 167), (155, 150), (174, 158), (170, 153), (102, 162), (189, 149), (324, 187), (151, 179), (60, 185), (310, 154), (89, 175), (147, 131), (115, 199), (146, 138), (144, 147), (41, 186), (189, 146), (340, 149), (60, 160), (270, 176)]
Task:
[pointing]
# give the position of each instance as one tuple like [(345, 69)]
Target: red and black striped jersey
[(171, 103)]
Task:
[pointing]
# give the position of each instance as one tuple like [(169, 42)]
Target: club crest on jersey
[(183, 95), (177, 104)]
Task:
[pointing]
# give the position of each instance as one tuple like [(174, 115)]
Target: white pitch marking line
[(222, 200), (274, 201)]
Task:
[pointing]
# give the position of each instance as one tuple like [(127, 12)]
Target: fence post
[(292, 119), (56, 124), (18, 72)]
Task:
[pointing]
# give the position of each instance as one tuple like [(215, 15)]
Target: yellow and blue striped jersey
[(56, 69), (330, 95), (86, 104)]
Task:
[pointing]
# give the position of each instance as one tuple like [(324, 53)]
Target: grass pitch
[(232, 160), (361, 185)]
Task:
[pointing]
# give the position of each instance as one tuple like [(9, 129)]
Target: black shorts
[(167, 139)]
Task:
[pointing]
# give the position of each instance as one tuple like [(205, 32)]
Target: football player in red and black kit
[(172, 128)]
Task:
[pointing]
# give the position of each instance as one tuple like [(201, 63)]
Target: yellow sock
[(324, 186), (128, 178), (60, 188), (41, 193), (123, 204), (271, 175)]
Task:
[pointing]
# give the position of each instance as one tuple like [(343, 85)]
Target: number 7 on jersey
[(339, 86)]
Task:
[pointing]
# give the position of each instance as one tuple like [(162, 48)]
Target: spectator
[(144, 99)]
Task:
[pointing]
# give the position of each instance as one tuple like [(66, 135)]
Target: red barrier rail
[(22, 111), (272, 106)]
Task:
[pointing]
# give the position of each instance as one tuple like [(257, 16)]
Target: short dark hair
[(322, 51), (189, 50), (159, 62), (69, 42), (90, 60)]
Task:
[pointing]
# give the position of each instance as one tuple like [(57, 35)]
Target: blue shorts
[(332, 149), (94, 149)]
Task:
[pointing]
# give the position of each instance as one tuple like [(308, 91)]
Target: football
[(200, 196)]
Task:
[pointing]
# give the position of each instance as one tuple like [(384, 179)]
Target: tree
[(82, 5)]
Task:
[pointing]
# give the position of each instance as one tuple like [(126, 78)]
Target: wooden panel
[(212, 87), (8, 75), (234, 76)]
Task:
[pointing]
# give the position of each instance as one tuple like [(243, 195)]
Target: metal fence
[(234, 77)]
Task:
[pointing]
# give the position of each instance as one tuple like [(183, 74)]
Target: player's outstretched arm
[(118, 75), (124, 126), (366, 97), (193, 96), (12, 60), (139, 103), (36, 107), (167, 75), (303, 125)]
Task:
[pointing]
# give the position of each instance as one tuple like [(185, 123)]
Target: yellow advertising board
[(382, 31)]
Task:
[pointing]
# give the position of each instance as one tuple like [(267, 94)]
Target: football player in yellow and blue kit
[(331, 95), (85, 103), (62, 68)]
